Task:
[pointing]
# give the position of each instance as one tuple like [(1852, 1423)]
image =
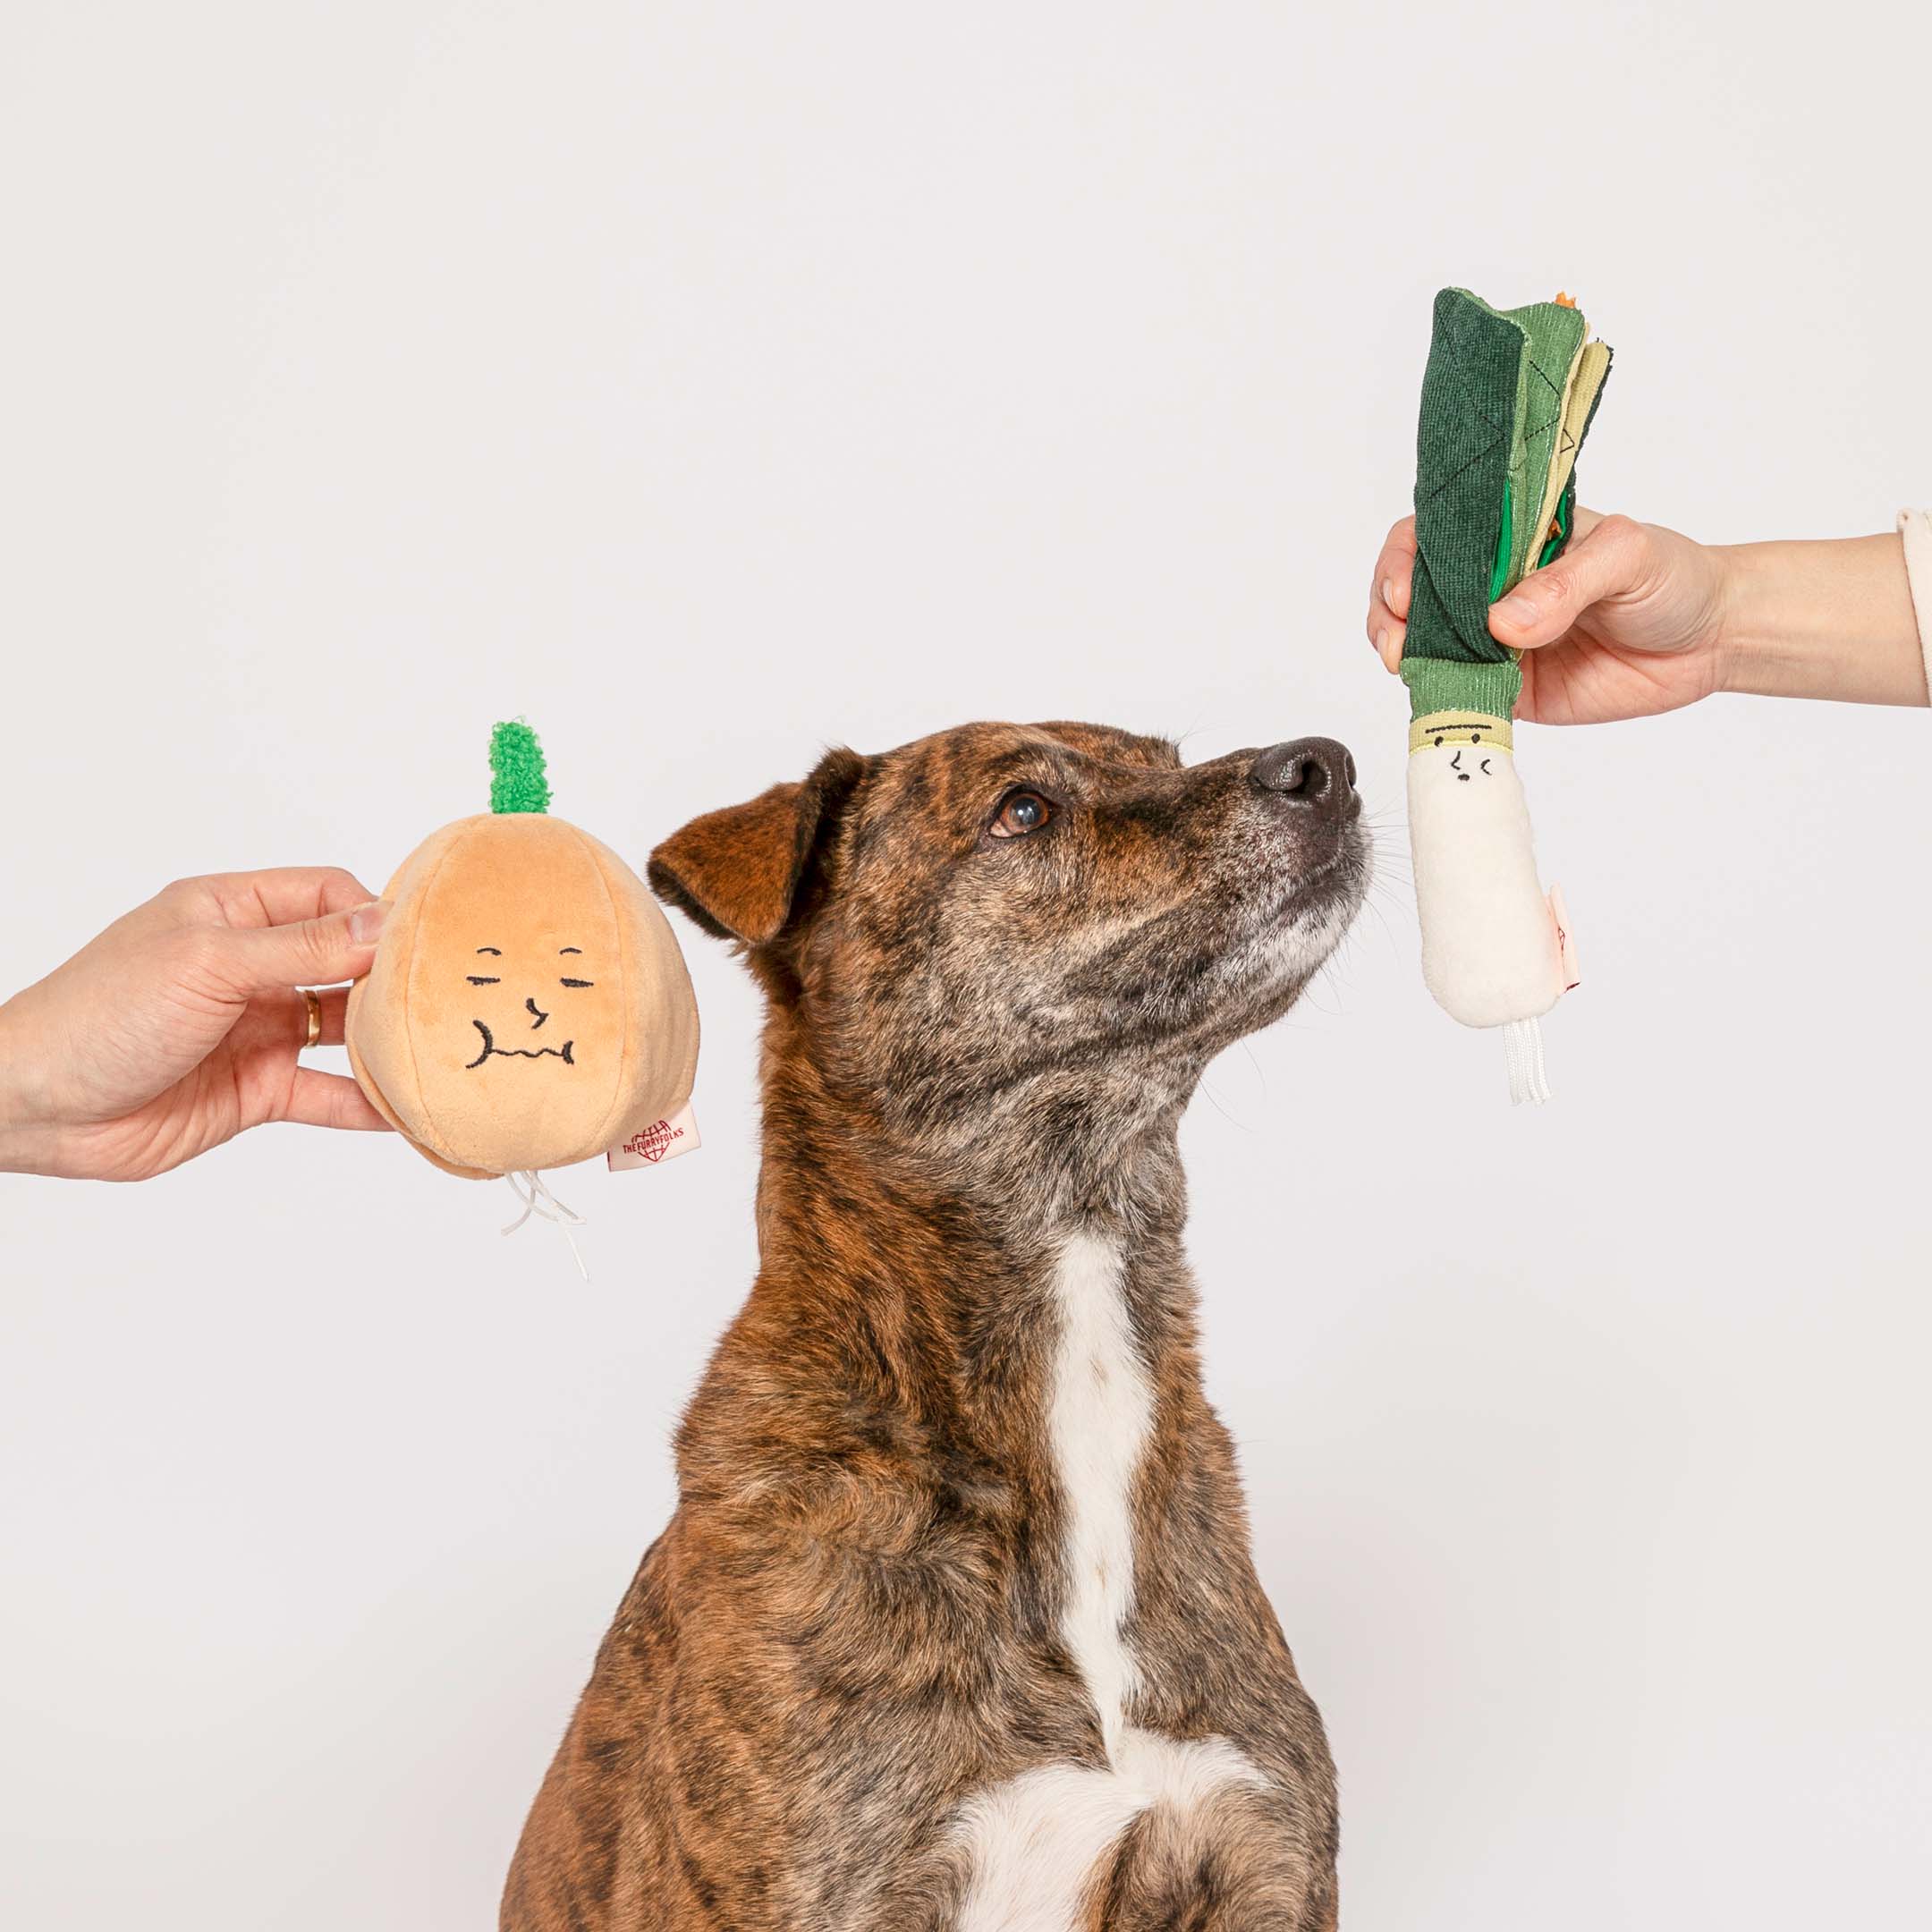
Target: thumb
[(1608, 560), (315, 951)]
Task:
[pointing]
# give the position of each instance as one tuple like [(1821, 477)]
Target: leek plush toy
[(1506, 402), (528, 1005)]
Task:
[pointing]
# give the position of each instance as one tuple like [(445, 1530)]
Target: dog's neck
[(1010, 1165), (970, 1353), (912, 1259)]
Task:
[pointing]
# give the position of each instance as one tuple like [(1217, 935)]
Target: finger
[(318, 1099), (1395, 567), (286, 893), (334, 1015), (1388, 588), (291, 1016), (1389, 595), (1607, 561), (312, 951)]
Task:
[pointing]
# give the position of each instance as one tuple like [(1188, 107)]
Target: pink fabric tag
[(1567, 967), (662, 1140)]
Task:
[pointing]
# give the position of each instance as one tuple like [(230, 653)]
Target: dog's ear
[(743, 873)]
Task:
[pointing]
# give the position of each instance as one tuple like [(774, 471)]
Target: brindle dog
[(956, 1627)]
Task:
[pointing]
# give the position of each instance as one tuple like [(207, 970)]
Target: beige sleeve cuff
[(1915, 526)]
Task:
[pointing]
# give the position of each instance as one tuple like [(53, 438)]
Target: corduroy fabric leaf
[(1587, 377), (1464, 439), (1507, 399), (1555, 340)]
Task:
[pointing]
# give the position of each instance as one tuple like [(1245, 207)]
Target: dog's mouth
[(490, 1048), (1213, 959), (1341, 879)]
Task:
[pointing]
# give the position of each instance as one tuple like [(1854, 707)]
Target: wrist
[(1772, 642), (1733, 647)]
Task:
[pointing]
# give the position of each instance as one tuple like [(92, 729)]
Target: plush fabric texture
[(518, 780), (1489, 951), (528, 1006)]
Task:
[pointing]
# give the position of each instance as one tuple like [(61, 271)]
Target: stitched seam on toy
[(408, 1031), (1428, 567), (1456, 727), (1542, 460), (1454, 473), (1543, 427), (1470, 394), (606, 1132), (1562, 467), (1468, 387)]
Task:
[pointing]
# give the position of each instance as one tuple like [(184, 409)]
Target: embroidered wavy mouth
[(490, 1047)]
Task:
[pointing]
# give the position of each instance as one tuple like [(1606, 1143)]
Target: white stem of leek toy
[(1489, 945)]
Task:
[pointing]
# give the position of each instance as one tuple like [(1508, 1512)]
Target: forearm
[(1822, 620)]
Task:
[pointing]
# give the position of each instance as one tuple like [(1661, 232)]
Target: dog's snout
[(1307, 771)]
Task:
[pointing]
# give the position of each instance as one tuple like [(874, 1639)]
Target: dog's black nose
[(1309, 771)]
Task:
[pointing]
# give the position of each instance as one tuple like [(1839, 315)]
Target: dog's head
[(1000, 901)]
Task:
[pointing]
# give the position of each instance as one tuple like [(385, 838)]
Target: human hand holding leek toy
[(1507, 399)]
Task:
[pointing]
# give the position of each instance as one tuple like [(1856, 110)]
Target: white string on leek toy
[(1507, 399)]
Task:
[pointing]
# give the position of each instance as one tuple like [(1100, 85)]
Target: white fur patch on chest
[(1032, 1845), (1099, 1413)]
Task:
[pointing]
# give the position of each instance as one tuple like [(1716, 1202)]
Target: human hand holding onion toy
[(519, 1003), (181, 1025)]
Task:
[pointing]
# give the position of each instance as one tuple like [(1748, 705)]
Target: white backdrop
[(711, 383)]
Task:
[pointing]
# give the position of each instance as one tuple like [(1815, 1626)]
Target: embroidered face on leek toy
[(528, 1006)]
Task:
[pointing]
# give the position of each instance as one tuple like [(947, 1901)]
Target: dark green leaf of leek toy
[(1507, 399)]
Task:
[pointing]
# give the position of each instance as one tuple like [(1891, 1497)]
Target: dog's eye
[(1023, 812)]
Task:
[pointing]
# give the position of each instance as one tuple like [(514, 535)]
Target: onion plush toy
[(1507, 399), (528, 1006)]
